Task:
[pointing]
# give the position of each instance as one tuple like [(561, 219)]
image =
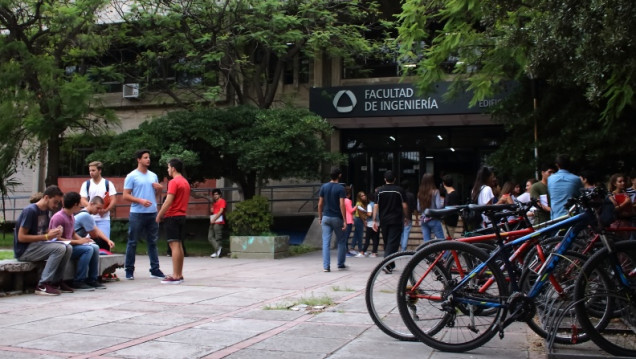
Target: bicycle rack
[(576, 351)]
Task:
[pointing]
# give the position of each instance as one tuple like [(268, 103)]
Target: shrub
[(251, 217)]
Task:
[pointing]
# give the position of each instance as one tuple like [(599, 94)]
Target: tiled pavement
[(226, 308)]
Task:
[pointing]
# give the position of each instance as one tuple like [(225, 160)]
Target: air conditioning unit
[(131, 90)]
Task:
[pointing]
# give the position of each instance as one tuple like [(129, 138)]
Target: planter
[(256, 247)]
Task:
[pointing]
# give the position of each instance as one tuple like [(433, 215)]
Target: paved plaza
[(226, 308)]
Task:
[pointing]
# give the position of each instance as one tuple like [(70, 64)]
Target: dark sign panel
[(391, 100)]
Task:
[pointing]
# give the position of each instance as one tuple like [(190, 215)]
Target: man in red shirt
[(174, 211), (217, 222)]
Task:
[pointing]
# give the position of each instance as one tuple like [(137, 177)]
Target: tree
[(242, 47), (246, 145), (42, 45), (580, 53)]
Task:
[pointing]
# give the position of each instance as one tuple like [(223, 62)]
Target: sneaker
[(218, 252), (157, 273), (110, 277), (96, 285), (326, 270), (64, 288), (349, 255), (129, 275), (373, 255), (351, 251), (46, 289), (171, 280), (360, 255), (387, 270), (82, 286), (342, 267)]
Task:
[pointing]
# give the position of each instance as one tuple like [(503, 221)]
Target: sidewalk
[(226, 308)]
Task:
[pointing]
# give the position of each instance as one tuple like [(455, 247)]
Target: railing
[(283, 199)]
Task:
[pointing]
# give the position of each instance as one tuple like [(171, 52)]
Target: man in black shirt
[(391, 210)]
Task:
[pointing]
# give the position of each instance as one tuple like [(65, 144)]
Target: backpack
[(472, 219), (106, 195)]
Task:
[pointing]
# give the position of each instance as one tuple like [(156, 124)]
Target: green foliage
[(578, 53), (248, 43), (572, 43), (251, 217), (300, 249), (44, 94), (247, 145)]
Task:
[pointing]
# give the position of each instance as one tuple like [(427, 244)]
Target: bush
[(251, 217)]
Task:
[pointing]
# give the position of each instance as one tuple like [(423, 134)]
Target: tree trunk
[(53, 160)]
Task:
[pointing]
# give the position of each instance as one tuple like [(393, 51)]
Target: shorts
[(175, 228)]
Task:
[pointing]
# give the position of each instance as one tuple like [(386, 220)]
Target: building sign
[(391, 100)]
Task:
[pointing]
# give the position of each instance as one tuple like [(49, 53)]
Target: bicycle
[(380, 289), (462, 312)]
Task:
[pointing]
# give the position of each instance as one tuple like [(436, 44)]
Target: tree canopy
[(578, 56), (249, 146), (42, 45), (242, 48)]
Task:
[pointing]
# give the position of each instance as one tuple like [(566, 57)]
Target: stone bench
[(17, 276)]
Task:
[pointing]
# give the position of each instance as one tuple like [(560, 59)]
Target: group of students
[(556, 186), (44, 232), (551, 192)]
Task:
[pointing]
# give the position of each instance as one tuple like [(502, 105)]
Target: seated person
[(31, 242), (85, 225), (85, 251)]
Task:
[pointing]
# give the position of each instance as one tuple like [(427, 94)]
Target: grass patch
[(315, 301), (297, 250), (6, 255), (336, 288), (308, 301), (194, 247)]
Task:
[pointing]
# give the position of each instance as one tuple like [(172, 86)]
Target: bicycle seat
[(440, 213)]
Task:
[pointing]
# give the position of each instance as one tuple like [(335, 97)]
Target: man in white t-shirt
[(99, 186)]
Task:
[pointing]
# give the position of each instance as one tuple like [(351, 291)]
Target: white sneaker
[(359, 255), (217, 253), (213, 255)]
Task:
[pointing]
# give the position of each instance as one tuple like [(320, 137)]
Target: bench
[(18, 277)]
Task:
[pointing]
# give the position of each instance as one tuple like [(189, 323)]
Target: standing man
[(391, 210), (99, 186), (562, 186), (85, 251), (31, 242), (174, 210), (217, 222), (332, 218), (539, 192), (141, 187)]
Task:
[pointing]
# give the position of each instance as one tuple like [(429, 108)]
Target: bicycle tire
[(446, 327), (551, 303), (618, 338), (380, 297)]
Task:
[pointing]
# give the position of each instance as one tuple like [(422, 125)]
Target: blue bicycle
[(465, 296)]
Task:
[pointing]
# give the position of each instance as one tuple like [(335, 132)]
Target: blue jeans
[(139, 223), (358, 234), (87, 256), (404, 241), (434, 226), (331, 225)]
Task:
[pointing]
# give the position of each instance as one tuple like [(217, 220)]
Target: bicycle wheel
[(555, 298), (448, 322), (380, 297), (619, 337)]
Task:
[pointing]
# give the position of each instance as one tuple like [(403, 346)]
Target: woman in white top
[(482, 190)]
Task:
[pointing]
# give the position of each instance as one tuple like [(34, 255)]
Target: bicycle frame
[(577, 223)]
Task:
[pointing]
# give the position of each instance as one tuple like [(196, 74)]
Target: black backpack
[(88, 185), (472, 219)]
